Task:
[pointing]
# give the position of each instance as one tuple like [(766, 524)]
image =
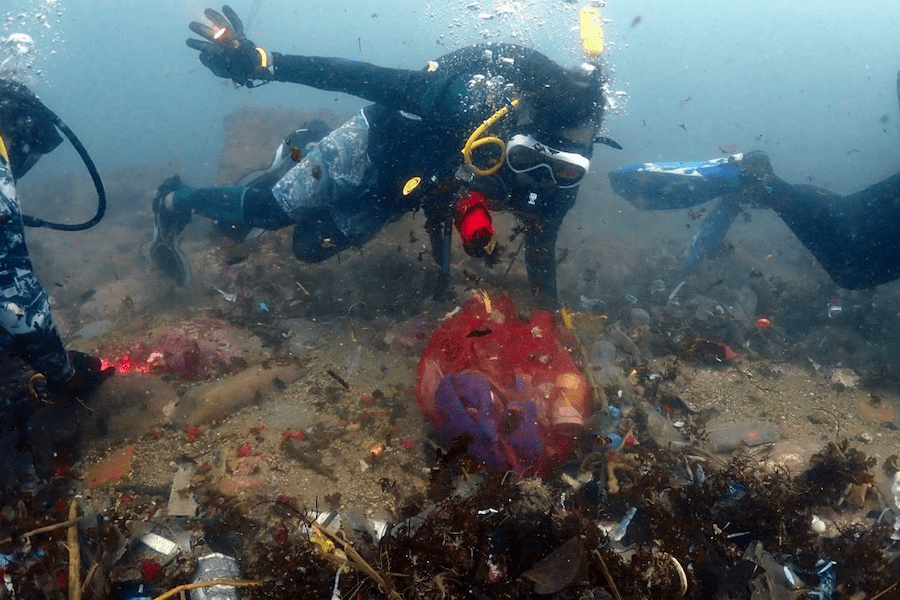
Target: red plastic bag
[(510, 384)]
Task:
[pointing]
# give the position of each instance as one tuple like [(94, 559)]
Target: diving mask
[(524, 154)]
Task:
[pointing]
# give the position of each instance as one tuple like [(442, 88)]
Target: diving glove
[(228, 53)]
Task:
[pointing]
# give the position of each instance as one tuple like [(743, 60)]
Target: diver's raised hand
[(227, 52)]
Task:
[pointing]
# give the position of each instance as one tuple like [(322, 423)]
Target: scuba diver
[(421, 145), (855, 238), (27, 131)]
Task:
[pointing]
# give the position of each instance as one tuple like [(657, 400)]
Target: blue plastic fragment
[(263, 306), (615, 441), (735, 491), (619, 532)]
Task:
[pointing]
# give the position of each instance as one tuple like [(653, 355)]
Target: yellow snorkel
[(475, 141)]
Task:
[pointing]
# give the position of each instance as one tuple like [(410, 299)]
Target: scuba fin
[(677, 185), (164, 249), (707, 241)]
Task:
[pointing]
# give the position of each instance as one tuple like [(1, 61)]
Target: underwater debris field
[(756, 461)]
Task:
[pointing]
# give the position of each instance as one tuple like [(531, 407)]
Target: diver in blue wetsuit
[(27, 131), (421, 146), (855, 238)]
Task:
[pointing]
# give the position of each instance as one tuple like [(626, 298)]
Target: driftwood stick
[(609, 577), (74, 553), (202, 584), (88, 577), (45, 529)]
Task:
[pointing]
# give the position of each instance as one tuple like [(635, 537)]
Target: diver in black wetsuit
[(403, 153)]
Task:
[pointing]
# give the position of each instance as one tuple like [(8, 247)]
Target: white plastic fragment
[(159, 544), (817, 525), (181, 501), (895, 490), (336, 593)]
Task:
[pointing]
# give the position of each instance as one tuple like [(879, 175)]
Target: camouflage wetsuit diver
[(403, 153), (27, 328), (855, 238)]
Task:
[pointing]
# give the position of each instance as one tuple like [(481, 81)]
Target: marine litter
[(274, 427)]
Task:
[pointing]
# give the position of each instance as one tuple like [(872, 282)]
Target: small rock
[(845, 377)]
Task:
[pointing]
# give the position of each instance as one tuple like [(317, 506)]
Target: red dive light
[(474, 223)]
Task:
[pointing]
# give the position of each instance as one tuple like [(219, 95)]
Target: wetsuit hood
[(569, 119)]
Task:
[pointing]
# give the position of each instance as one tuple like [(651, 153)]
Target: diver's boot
[(164, 249), (760, 187)]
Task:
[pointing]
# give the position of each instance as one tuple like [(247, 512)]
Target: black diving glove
[(228, 53)]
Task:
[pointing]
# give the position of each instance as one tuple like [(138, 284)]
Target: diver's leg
[(318, 238), (855, 238), (439, 225), (324, 194), (260, 211), (331, 195)]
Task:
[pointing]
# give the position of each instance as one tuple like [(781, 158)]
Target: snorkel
[(591, 30), (476, 140)]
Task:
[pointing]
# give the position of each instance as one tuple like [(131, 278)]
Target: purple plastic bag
[(465, 405)]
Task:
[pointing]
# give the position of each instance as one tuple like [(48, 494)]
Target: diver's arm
[(542, 221), (396, 88), (540, 260)]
